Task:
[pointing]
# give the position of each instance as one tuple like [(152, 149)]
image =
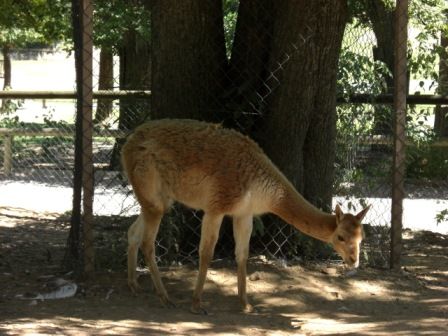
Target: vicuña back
[(201, 165)]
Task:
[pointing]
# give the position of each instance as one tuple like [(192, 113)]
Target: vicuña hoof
[(198, 310), (248, 308), (134, 286), (167, 302)]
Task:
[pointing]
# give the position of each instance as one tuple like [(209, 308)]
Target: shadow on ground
[(307, 299)]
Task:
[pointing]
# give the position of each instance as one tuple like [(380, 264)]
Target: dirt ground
[(306, 299)]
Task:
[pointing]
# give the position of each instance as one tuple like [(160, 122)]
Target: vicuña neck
[(297, 211)]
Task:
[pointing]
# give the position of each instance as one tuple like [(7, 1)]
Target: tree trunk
[(189, 59), (289, 83), (249, 57), (106, 82), (6, 51), (299, 127), (135, 74), (441, 112), (188, 78), (320, 143), (382, 20)]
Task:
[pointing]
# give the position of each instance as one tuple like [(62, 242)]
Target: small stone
[(255, 276), (330, 271), (352, 272)]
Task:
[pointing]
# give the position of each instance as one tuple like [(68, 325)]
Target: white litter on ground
[(64, 289)]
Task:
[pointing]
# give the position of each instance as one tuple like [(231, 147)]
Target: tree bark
[(301, 114), (189, 59), (188, 78), (248, 63), (441, 112), (6, 50), (135, 74), (106, 82), (382, 20), (282, 68), (320, 144), (7, 70)]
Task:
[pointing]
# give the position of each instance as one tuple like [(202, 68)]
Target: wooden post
[(400, 91)]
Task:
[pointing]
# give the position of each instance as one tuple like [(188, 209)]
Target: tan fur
[(221, 172)]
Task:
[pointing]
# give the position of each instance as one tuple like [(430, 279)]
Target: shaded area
[(308, 299)]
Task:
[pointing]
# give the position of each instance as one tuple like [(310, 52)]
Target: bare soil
[(305, 299)]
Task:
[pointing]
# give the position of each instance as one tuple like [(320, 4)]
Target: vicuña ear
[(362, 213), (339, 213)]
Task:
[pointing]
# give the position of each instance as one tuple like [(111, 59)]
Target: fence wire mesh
[(38, 155)]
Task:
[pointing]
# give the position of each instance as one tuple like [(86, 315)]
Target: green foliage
[(9, 122), (16, 37), (442, 217), (360, 74), (426, 161), (50, 122), (427, 20), (230, 10), (112, 19), (9, 106), (357, 73), (30, 21), (418, 128)]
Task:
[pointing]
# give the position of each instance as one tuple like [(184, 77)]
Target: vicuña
[(222, 172)]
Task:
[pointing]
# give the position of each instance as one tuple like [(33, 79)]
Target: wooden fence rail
[(8, 135), (417, 99)]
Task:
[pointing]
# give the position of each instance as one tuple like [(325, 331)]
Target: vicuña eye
[(340, 238)]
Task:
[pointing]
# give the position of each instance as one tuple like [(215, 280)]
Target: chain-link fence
[(243, 65)]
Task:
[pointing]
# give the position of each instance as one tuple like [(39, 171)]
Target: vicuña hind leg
[(242, 230), (152, 218), (135, 235), (209, 237)]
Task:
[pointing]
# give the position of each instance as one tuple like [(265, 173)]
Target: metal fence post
[(400, 92), (87, 131), (80, 252)]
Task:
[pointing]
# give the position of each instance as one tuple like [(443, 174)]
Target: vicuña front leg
[(242, 230), (135, 234), (209, 237), (152, 218)]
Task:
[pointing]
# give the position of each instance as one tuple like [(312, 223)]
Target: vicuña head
[(347, 237), (221, 172)]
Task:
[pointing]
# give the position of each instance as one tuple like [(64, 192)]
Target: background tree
[(441, 112), (189, 59), (379, 15), (122, 28), (289, 108), (426, 20), (30, 22), (27, 22), (189, 65)]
